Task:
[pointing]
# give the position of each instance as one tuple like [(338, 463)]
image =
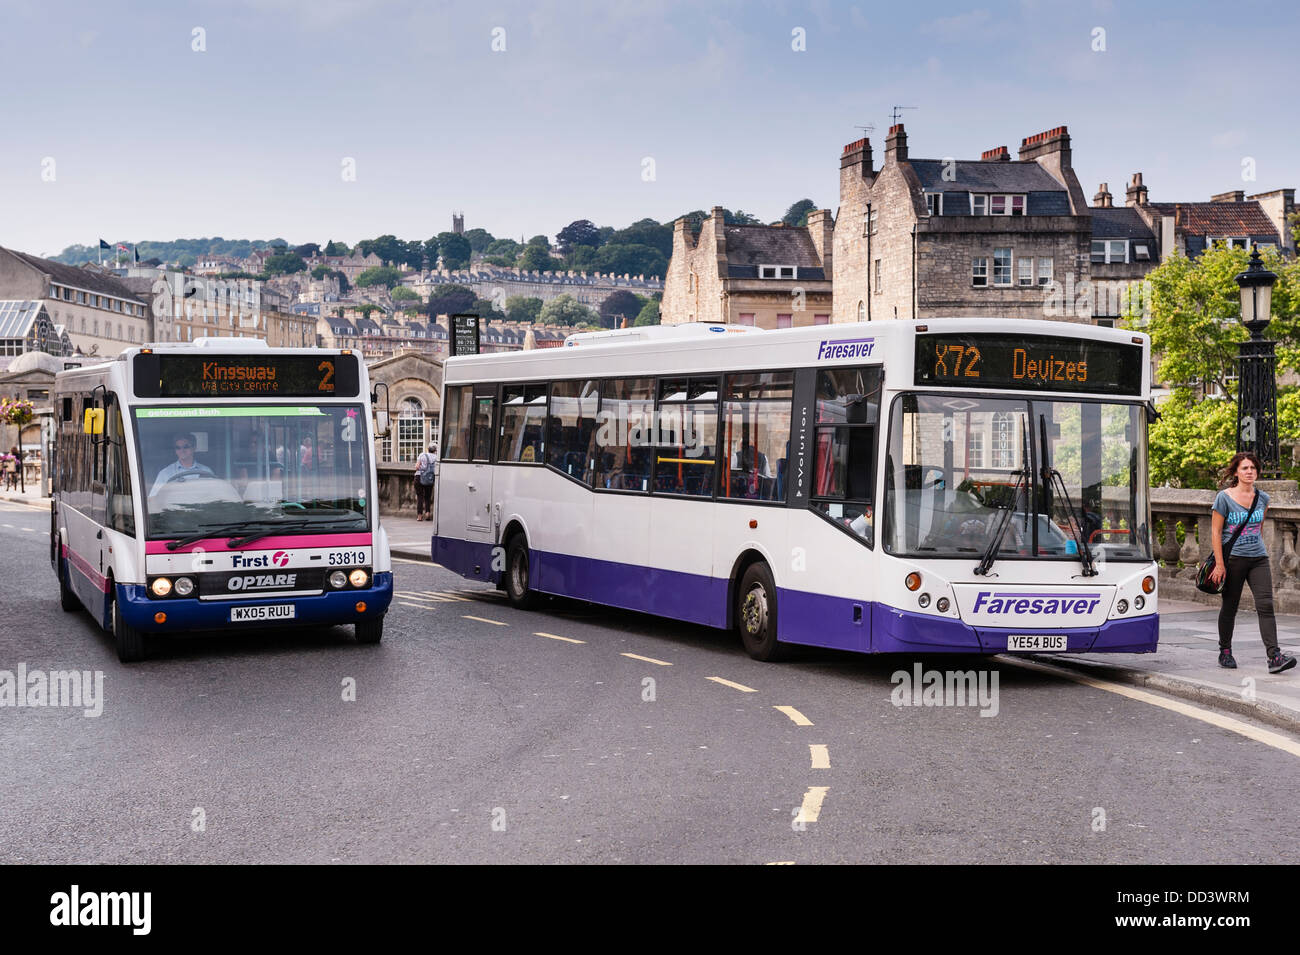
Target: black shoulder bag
[(1206, 567)]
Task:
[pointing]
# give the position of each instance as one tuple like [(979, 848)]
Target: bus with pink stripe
[(215, 486), (972, 485)]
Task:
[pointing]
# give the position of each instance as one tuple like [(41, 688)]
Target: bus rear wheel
[(130, 641), (516, 575), (67, 599), (756, 614), (369, 631)]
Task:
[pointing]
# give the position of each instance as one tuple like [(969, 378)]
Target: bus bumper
[(192, 615), (898, 631)]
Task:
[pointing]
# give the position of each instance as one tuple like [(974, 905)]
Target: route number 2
[(326, 383)]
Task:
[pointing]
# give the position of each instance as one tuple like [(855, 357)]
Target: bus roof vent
[(617, 336), (230, 344)]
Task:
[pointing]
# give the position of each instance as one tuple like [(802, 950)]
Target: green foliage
[(485, 308), (449, 299), (503, 249), (523, 308), (536, 258), (403, 294), (649, 314), (583, 258), (336, 248), (367, 309), (479, 239), (1192, 441), (454, 249), (632, 260), (286, 263), (307, 250), (379, 275), (645, 232), (565, 310), (321, 271), (797, 214), (579, 232), (618, 306)]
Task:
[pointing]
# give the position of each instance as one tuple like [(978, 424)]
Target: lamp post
[(1257, 369)]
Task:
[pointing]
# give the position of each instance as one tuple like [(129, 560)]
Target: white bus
[(218, 485), (965, 485)]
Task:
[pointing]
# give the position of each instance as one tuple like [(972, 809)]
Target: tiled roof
[(1222, 219), (770, 245), (972, 176), (82, 278), (1119, 223)]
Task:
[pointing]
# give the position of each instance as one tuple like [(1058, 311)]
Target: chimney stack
[(821, 229), (996, 154), (1236, 195), (1055, 140), (896, 144), (1102, 200), (1136, 194), (857, 155)]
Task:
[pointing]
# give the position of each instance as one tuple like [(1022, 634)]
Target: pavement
[(1185, 664)]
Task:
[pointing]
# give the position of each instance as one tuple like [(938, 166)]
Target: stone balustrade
[(1186, 513)]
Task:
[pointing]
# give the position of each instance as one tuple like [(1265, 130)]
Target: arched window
[(862, 311), (410, 430)]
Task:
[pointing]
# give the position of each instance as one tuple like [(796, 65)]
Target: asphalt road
[(483, 734)]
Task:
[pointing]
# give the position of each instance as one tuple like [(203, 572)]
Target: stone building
[(414, 400), (350, 265), (923, 238), (498, 284), (768, 276), (100, 314)]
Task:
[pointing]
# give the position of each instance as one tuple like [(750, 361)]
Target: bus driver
[(184, 465)]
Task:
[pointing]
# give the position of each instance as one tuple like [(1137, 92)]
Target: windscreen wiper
[(268, 528), (1054, 483), (990, 553), (213, 530)]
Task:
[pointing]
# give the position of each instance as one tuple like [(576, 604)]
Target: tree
[(632, 260), (379, 275), (578, 232), (523, 308), (285, 263), (449, 299), (454, 249), (797, 214), (620, 305), (307, 250), (389, 248), (479, 239), (565, 310), (321, 271), (403, 294), (485, 308), (583, 258), (649, 314), (645, 232), (413, 254), (503, 249), (536, 258), (336, 248)]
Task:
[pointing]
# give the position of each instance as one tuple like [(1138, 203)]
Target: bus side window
[(121, 507), (844, 470)]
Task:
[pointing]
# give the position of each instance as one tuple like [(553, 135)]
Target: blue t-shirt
[(1250, 543)]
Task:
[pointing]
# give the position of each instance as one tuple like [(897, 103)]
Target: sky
[(312, 120)]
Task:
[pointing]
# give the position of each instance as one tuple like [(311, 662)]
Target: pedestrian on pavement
[(1247, 562), (11, 468), (424, 477)]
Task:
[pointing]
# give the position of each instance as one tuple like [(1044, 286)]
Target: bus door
[(480, 508)]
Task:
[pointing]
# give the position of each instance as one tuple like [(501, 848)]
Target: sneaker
[(1280, 661), (1226, 661)]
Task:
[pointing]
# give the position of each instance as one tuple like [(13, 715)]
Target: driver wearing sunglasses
[(184, 466)]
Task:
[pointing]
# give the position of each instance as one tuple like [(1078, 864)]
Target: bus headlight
[(941, 605), (359, 578), (184, 586), (1121, 607), (923, 600), (1139, 602), (161, 587), (338, 579)]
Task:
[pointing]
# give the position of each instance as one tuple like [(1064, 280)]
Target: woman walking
[(1241, 503)]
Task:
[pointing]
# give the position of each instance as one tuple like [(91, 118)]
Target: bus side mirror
[(381, 424), (94, 421)]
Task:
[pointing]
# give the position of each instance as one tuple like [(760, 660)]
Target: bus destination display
[(1029, 363), (247, 376)]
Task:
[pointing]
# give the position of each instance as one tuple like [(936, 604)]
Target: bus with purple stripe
[(215, 486), (961, 485)]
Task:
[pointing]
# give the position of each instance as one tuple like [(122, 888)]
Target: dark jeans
[(423, 497), (1256, 571)]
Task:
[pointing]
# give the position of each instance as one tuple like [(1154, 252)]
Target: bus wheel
[(516, 575), (369, 631), (67, 599), (756, 614), (130, 641)]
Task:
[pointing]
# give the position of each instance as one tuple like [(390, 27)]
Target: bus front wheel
[(516, 575), (130, 641), (756, 614), (369, 631)]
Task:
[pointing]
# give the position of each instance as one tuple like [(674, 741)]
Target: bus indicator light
[(913, 581), (160, 617), (361, 606), (753, 524)]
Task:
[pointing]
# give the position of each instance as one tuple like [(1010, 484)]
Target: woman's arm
[(1216, 529)]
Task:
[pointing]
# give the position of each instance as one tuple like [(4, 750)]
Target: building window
[(1109, 251), (776, 272), (1142, 252), (1001, 266), (877, 272), (821, 319), (875, 226), (975, 449), (997, 204), (979, 272), (1025, 270), (1017, 205), (410, 430), (745, 318), (81, 298), (1044, 271), (934, 203), (862, 311), (784, 321), (869, 222), (979, 205), (690, 282)]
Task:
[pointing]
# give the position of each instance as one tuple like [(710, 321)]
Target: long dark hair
[(1229, 478)]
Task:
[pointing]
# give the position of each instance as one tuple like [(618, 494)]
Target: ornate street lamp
[(1257, 368)]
